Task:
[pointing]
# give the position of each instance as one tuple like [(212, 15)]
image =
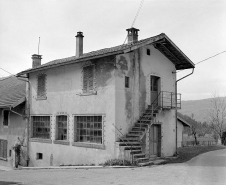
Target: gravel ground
[(206, 169)]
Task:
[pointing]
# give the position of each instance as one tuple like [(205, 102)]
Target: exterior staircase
[(132, 141)]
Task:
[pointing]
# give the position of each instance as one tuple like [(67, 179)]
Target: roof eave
[(68, 62)]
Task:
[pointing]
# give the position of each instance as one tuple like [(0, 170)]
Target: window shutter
[(5, 149), (42, 85), (88, 76), (1, 148)]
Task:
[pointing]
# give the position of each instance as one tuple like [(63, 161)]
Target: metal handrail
[(124, 140)]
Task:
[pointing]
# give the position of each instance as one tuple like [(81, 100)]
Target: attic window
[(41, 87), (148, 52), (5, 118), (88, 79), (126, 81)]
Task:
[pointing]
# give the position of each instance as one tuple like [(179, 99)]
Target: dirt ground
[(206, 169)]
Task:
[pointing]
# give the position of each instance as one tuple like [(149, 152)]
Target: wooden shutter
[(88, 76), (41, 85), (5, 149)]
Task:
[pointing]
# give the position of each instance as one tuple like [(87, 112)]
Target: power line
[(7, 71), (210, 57), (138, 11), (205, 59), (134, 20)]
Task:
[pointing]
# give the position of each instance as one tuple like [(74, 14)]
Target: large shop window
[(3, 148), (41, 127), (88, 78), (41, 88), (61, 125), (88, 129)]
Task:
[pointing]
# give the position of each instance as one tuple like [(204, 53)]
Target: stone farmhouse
[(114, 103)]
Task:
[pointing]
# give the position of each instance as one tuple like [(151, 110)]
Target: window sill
[(89, 145), (61, 142), (41, 97), (4, 159), (39, 140), (88, 93)]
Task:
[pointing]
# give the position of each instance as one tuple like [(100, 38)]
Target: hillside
[(199, 108)]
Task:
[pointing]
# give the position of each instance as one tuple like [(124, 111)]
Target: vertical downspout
[(28, 121), (27, 113), (176, 101)]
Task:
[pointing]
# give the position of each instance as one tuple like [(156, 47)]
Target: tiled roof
[(116, 50), (12, 91), (185, 123)]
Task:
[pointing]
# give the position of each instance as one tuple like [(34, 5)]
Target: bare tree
[(217, 114)]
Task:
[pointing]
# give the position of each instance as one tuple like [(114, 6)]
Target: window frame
[(56, 128), (88, 144), (41, 96), (32, 138), (3, 117)]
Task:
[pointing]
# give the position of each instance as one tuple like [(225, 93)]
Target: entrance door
[(155, 140), (154, 88)]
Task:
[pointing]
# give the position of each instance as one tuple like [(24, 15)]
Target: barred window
[(61, 127), (3, 148), (5, 117), (88, 129), (41, 127), (88, 78), (41, 89)]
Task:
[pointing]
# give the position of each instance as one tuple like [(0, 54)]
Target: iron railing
[(169, 100)]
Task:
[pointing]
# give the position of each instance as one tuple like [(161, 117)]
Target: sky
[(197, 27)]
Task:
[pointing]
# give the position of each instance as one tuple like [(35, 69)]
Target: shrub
[(118, 162)]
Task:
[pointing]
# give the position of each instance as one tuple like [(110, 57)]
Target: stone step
[(136, 132), (141, 155), (144, 125), (133, 152), (133, 148), (129, 143), (133, 135), (142, 159), (138, 129), (128, 139)]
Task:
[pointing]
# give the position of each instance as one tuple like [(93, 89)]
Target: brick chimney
[(36, 60), (132, 35), (79, 44)]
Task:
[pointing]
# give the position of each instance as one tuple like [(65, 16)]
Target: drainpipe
[(176, 101), (28, 114)]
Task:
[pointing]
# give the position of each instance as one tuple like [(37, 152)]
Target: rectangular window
[(148, 52), (88, 78), (5, 117), (3, 148), (88, 129), (61, 131), (41, 127), (126, 81), (41, 88)]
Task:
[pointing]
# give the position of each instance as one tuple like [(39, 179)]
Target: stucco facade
[(85, 109)]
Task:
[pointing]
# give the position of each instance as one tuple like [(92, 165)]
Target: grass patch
[(187, 153)]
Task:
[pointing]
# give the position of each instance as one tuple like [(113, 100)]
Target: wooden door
[(154, 89), (155, 140)]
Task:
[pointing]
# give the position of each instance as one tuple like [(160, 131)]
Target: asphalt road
[(206, 169)]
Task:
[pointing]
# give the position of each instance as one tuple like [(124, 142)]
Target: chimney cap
[(36, 56), (130, 29), (79, 34)]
